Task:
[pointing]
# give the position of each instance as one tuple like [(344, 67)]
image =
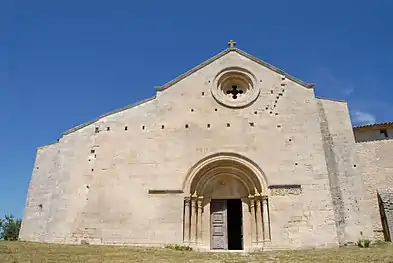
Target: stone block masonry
[(233, 127)]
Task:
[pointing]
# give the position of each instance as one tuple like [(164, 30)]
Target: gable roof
[(241, 52), (189, 72)]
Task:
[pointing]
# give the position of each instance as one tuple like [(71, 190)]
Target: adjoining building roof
[(383, 125)]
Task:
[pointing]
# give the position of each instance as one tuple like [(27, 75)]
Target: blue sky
[(63, 63)]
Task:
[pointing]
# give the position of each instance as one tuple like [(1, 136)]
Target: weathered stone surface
[(128, 177)]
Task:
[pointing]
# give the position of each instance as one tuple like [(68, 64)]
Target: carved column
[(266, 219), (187, 219), (259, 218), (253, 222), (194, 211), (199, 219)]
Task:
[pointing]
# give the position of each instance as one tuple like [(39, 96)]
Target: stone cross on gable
[(231, 43)]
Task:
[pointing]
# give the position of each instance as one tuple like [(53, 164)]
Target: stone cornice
[(107, 114)]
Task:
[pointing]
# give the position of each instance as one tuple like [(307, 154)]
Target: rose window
[(235, 88)]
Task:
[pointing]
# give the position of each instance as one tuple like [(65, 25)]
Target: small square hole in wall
[(186, 126), (215, 109), (125, 128), (290, 139), (203, 93), (271, 112), (354, 165), (208, 125), (278, 126), (108, 128), (192, 110), (143, 127), (283, 78), (162, 127), (266, 108), (38, 168), (271, 91), (228, 125), (92, 151), (255, 112), (283, 84), (252, 124), (97, 130), (92, 170), (276, 113)]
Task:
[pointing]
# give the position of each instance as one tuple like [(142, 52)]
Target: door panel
[(218, 215)]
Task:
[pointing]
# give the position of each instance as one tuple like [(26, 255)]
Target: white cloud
[(348, 91), (360, 117)]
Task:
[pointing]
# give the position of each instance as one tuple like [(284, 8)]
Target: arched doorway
[(226, 207)]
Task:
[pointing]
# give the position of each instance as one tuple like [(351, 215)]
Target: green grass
[(16, 252)]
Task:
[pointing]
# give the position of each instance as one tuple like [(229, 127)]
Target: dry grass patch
[(17, 252)]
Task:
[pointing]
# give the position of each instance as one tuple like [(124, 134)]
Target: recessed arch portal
[(213, 184), (231, 164)]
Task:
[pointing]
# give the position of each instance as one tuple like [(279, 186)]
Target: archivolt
[(232, 164)]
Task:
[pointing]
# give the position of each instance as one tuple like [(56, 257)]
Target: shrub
[(363, 243), (9, 228), (178, 247)]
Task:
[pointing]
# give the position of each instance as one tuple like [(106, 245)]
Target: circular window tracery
[(235, 87)]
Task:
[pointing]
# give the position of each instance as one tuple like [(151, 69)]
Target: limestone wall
[(39, 196), (376, 159), (106, 168), (347, 187)]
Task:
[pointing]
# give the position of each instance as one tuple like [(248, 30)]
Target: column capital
[(200, 201), (187, 199), (264, 197)]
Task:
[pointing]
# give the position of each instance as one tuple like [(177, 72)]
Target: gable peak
[(232, 47)]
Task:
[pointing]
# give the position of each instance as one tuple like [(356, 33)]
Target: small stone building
[(234, 154)]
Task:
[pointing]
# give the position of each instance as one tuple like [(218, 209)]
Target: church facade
[(235, 154)]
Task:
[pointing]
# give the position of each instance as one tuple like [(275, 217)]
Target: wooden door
[(218, 215)]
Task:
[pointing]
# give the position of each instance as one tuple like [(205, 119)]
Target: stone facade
[(233, 128)]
